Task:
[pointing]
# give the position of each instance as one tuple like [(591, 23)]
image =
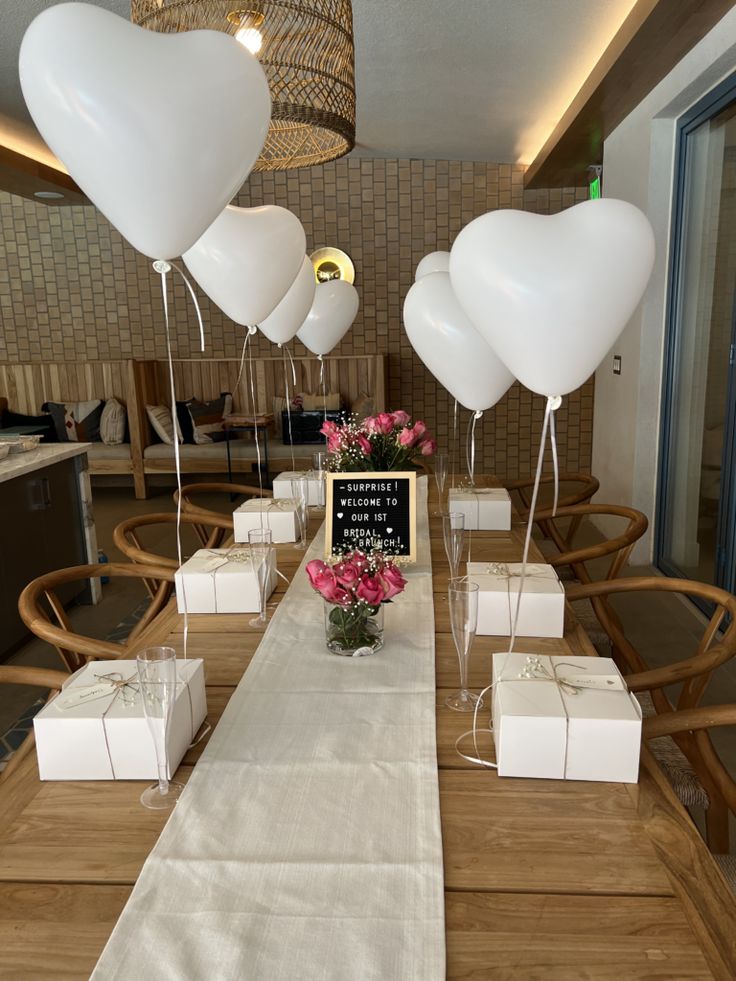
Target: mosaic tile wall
[(72, 290)]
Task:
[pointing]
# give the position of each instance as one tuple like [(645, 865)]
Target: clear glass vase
[(354, 631)]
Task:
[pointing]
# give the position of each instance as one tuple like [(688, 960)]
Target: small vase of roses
[(388, 441), (355, 589)]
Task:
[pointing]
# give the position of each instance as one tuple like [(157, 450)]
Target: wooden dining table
[(548, 879)]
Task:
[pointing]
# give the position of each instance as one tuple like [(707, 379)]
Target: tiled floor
[(663, 626)]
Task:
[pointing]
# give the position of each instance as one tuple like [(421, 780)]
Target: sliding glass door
[(696, 519)]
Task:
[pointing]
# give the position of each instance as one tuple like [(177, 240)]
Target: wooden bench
[(140, 383)]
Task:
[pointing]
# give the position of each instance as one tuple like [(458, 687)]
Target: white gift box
[(542, 606), (564, 717), (224, 580), (93, 730), (315, 486), (485, 508), (278, 515)]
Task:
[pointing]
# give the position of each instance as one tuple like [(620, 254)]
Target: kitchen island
[(47, 523)]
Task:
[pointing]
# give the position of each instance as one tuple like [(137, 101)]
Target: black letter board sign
[(372, 510)]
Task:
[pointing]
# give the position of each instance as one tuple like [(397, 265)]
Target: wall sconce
[(332, 263)]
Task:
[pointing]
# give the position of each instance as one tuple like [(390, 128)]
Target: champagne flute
[(300, 493), (463, 599), (440, 475), (260, 543), (157, 677), (319, 465), (453, 531)]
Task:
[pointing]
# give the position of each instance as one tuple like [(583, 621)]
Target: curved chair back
[(126, 535), (696, 724), (584, 486), (55, 627), (618, 547), (692, 673), (190, 492), (37, 677)]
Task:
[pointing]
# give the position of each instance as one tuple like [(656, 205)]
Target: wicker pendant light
[(306, 50)]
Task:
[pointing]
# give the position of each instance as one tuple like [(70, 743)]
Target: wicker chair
[(571, 562), (75, 649), (696, 724), (584, 486), (682, 758), (206, 515), (210, 532)]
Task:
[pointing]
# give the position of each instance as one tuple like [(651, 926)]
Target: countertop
[(17, 464)]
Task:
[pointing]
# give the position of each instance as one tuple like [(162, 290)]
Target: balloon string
[(555, 464), (286, 351), (551, 407), (470, 446), (455, 437), (164, 268), (242, 363), (195, 301), (255, 427), (323, 386), (293, 366)]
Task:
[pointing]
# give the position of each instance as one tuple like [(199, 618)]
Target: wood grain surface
[(543, 879)]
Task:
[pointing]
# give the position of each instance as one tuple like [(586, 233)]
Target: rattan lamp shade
[(308, 56)]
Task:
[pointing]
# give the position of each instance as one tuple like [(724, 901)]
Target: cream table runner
[(307, 844)]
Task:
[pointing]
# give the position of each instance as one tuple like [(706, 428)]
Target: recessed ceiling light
[(48, 195)]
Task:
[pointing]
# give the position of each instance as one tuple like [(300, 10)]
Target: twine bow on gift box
[(219, 559), (106, 685)]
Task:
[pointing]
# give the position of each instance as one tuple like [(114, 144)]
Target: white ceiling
[(437, 79)]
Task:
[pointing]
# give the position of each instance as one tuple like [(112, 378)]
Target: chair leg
[(716, 826)]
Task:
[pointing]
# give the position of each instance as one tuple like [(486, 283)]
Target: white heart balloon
[(247, 260), (281, 325), (432, 263), (158, 130), (551, 294), (333, 311), (450, 347)]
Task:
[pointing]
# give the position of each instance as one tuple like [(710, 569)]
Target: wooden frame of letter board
[(409, 475)]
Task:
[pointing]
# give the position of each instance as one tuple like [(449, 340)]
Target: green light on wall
[(595, 172)]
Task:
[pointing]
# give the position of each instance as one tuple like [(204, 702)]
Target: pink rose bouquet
[(387, 441), (355, 586)]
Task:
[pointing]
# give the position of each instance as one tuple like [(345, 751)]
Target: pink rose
[(328, 428), (324, 581), (347, 573), (334, 593), (370, 425), (315, 568), (364, 444), (384, 423), (428, 447), (334, 443), (370, 590), (400, 417), (393, 582), (406, 437), (419, 429)]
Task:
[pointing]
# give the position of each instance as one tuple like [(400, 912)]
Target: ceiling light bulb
[(251, 38)]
